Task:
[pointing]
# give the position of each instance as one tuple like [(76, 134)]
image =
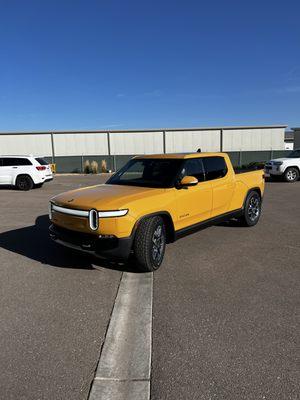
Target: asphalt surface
[(54, 306), (225, 307)]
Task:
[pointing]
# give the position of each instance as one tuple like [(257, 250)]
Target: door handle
[(15, 167)]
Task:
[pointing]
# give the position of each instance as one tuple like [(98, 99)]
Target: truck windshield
[(294, 154), (147, 172)]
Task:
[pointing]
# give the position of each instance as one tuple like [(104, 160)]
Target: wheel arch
[(255, 189), (168, 221), (19, 175), (292, 166)]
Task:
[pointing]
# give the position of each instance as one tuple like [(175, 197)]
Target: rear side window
[(11, 162), (215, 167), (193, 167), (41, 161)]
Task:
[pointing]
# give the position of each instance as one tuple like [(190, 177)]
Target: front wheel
[(291, 175), (252, 209), (150, 243)]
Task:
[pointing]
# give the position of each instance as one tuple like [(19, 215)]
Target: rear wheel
[(252, 209), (291, 175), (149, 244), (24, 182)]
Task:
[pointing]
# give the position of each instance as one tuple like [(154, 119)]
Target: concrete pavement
[(226, 309), (225, 306)]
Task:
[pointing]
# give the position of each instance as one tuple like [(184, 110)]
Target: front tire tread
[(143, 243)]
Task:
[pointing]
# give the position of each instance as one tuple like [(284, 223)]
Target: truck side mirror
[(188, 181)]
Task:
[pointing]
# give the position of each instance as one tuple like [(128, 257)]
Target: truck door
[(5, 172), (194, 203), (223, 185)]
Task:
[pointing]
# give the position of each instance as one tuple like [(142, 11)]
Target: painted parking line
[(125, 362)]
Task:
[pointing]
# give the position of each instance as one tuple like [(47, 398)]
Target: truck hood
[(103, 197), (280, 159)]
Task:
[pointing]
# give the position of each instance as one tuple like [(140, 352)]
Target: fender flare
[(17, 176), (167, 219), (254, 189)]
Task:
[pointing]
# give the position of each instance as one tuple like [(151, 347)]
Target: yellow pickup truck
[(154, 200)]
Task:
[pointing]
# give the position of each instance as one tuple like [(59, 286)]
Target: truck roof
[(181, 155)]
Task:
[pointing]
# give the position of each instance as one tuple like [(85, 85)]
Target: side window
[(8, 162), (215, 167), (41, 161), (1, 162), (193, 167), (14, 161)]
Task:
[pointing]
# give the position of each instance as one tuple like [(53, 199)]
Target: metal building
[(69, 149), (296, 138)]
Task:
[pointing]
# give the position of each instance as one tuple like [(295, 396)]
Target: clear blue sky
[(74, 64)]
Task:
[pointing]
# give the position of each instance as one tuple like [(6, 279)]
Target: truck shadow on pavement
[(34, 243)]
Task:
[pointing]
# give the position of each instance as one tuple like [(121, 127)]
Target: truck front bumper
[(274, 169), (104, 247)]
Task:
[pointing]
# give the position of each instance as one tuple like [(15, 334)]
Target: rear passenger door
[(5, 172), (14, 166), (195, 202), (216, 172)]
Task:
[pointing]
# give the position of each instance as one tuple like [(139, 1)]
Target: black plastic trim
[(208, 222), (114, 248), (170, 235), (255, 189)]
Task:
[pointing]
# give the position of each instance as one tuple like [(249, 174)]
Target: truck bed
[(251, 178)]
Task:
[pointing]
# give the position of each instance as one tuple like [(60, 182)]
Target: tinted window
[(41, 161), (193, 167), (10, 162), (147, 172), (215, 167)]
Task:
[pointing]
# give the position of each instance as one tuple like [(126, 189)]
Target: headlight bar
[(83, 213), (116, 213)]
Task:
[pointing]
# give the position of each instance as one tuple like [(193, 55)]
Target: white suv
[(288, 167), (24, 172)]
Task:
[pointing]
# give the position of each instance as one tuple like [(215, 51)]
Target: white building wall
[(76, 144), (136, 143), (256, 139), (190, 141), (36, 144), (129, 143)]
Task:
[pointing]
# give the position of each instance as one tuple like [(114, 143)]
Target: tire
[(291, 175), (24, 182), (150, 244), (252, 209)]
